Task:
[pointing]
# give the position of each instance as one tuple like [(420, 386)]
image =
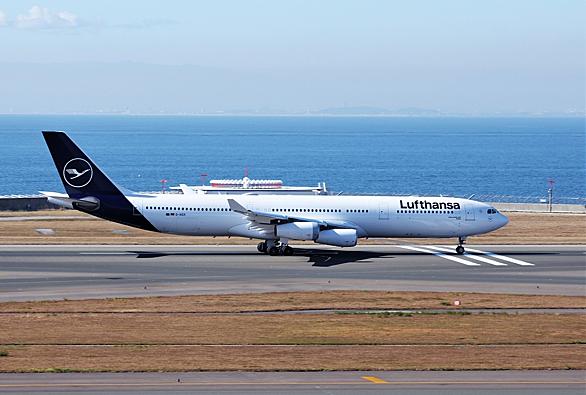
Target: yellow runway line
[(375, 380)]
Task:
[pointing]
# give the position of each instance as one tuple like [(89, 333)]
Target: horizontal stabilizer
[(62, 200)]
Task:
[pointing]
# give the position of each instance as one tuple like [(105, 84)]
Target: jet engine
[(298, 230), (337, 237)]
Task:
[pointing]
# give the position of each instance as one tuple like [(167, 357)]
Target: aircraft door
[(383, 211), (469, 214)]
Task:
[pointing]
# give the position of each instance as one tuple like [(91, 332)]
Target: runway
[(73, 272), (404, 382)]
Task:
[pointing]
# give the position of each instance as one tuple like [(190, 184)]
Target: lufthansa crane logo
[(78, 172)]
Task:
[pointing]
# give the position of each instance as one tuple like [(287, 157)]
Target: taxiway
[(404, 382)]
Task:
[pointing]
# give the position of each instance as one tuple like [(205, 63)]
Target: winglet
[(237, 207), (186, 190)]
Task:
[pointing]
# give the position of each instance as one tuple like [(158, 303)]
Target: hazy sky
[(190, 56)]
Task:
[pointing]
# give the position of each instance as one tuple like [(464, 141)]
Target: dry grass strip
[(286, 329), (311, 300), (291, 358), (524, 228), (179, 333)]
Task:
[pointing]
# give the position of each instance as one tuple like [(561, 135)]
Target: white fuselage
[(371, 216)]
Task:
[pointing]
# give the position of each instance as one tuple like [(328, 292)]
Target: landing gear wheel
[(274, 251), (288, 251), (460, 250), (262, 247)]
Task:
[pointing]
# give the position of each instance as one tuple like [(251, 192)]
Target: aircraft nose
[(503, 220)]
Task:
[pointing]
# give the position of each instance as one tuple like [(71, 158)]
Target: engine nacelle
[(298, 230), (338, 237)]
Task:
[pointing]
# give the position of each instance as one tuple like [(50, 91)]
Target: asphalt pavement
[(73, 272), (353, 382)]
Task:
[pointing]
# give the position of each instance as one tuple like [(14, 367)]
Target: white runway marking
[(475, 257), (501, 257), (439, 254)]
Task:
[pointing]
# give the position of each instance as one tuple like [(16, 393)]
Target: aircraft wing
[(265, 218)]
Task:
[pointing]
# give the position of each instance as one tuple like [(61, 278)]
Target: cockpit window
[(491, 211)]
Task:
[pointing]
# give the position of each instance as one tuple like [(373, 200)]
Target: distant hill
[(359, 110), (366, 110), (417, 111)]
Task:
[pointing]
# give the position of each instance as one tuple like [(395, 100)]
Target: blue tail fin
[(85, 182), (80, 176)]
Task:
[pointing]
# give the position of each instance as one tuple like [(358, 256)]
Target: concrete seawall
[(540, 207), (25, 203)]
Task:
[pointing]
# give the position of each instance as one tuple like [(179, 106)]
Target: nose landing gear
[(460, 249)]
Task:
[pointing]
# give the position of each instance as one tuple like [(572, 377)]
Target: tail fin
[(80, 176), (88, 187)]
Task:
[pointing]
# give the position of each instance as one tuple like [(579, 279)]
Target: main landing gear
[(262, 247), (460, 249), (272, 248)]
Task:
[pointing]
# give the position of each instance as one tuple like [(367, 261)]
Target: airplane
[(274, 219)]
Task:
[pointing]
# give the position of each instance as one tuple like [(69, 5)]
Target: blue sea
[(353, 155)]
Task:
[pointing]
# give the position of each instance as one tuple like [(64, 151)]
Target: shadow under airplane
[(320, 258)]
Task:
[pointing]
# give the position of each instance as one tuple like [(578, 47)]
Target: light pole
[(550, 195)]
